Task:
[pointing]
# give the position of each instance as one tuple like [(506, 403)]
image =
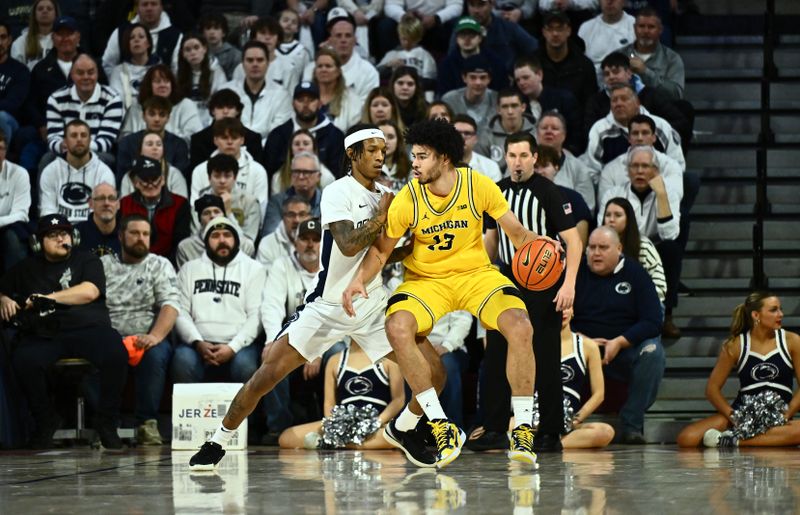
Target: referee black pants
[(496, 397), (100, 345)]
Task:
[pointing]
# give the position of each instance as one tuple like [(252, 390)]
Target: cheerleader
[(763, 354)]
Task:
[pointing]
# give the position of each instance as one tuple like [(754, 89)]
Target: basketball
[(537, 266)]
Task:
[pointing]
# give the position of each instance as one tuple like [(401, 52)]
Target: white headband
[(362, 135)]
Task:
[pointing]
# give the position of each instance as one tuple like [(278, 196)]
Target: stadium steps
[(723, 57)]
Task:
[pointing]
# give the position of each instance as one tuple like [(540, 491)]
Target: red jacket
[(170, 222)]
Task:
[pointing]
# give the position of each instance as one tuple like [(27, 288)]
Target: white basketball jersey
[(345, 199)]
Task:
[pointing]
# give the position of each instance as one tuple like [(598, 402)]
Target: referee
[(540, 206)]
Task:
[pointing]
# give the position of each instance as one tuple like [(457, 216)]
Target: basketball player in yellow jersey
[(448, 270)]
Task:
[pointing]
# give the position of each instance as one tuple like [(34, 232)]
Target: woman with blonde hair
[(339, 103), (763, 355), (35, 41)]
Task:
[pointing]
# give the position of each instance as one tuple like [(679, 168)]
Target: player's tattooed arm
[(350, 239)]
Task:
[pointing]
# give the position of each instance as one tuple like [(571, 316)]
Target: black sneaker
[(107, 432), (411, 443), (488, 441), (207, 457)]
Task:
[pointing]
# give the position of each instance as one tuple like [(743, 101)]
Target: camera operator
[(56, 297)]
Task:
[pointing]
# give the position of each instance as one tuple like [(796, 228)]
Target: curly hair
[(439, 135)]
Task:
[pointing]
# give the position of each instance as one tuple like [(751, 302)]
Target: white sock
[(430, 404), (222, 436), (523, 410), (407, 420)]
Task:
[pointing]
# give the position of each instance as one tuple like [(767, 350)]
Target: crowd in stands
[(188, 145)]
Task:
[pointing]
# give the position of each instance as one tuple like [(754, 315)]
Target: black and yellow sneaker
[(449, 439), (411, 443), (207, 457), (521, 445)]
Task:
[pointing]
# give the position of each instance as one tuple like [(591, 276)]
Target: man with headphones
[(61, 292)]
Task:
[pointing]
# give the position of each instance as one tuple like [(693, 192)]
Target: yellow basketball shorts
[(484, 292)]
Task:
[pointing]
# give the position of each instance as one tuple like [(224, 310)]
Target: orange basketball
[(536, 265)]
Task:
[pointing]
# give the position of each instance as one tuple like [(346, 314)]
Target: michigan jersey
[(448, 231)]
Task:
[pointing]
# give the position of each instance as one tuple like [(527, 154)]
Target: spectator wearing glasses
[(280, 242), (305, 184), (99, 232)]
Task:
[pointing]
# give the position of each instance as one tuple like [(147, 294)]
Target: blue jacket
[(623, 303)]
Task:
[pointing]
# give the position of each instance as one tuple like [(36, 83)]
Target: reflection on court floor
[(653, 479)]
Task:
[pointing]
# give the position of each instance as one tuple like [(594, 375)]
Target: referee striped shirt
[(103, 113), (539, 206)]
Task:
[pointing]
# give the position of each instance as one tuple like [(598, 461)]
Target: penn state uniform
[(322, 321), (574, 373), (448, 268), (365, 387), (757, 373)]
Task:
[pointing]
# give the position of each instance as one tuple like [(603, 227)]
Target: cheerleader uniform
[(757, 373), (366, 387)]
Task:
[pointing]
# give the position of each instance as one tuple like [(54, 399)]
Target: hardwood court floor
[(647, 480)]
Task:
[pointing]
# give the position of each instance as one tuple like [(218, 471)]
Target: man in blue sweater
[(616, 305)]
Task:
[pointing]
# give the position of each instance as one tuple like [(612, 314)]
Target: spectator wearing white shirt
[(608, 137), (641, 131), (207, 208), (280, 242), (360, 75), (66, 183), (606, 32), (220, 298), (35, 42), (15, 201), (266, 105)]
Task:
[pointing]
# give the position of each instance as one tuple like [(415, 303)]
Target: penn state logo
[(76, 193), (623, 288), (764, 372), (567, 374), (358, 385)]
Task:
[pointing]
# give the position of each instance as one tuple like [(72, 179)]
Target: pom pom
[(757, 413), (348, 424), (569, 413)]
